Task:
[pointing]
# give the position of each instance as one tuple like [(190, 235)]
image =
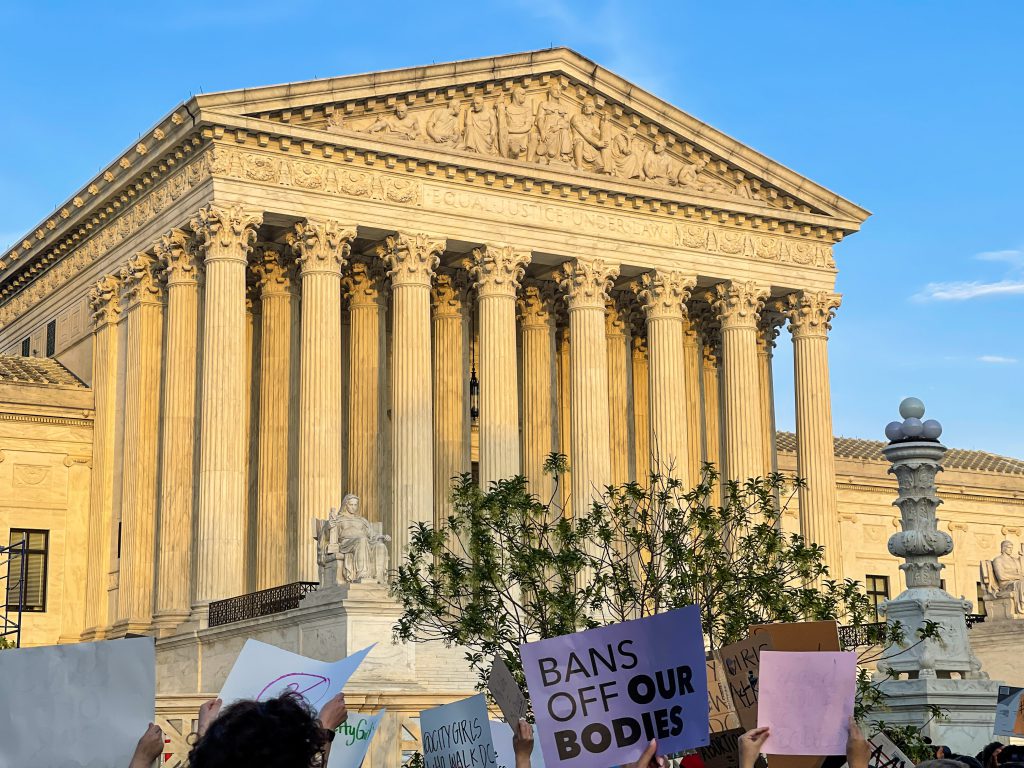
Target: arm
[(750, 746), (522, 743), (858, 751), (332, 715), (149, 748), (650, 758), (208, 712)]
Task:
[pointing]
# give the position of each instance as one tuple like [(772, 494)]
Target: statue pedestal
[(997, 642), (969, 705)]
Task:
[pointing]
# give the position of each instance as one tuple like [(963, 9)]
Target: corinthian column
[(105, 306), (497, 271), (810, 314), (176, 252), (641, 405), (364, 286), (693, 358), (451, 387), (662, 294), (321, 248), (738, 304), (225, 236), (276, 432), (767, 332), (586, 284), (411, 261), (142, 294), (619, 401), (540, 401)]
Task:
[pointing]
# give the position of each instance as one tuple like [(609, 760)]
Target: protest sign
[(601, 695), (506, 693), (504, 754), (352, 740), (81, 705), (721, 712), (885, 754), (457, 735), (264, 671), (723, 750), (741, 661), (1010, 711), (806, 699), (800, 635)]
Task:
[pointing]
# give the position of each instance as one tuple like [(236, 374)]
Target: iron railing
[(871, 634), (974, 618), (263, 603)]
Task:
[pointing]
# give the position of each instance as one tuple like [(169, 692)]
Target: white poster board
[(264, 671), (82, 705), (504, 753), (352, 740)]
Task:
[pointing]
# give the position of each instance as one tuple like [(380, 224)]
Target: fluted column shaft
[(641, 409), (105, 305), (275, 431), (692, 362), (586, 284), (711, 405), (225, 235), (143, 298), (810, 314), (564, 380), (620, 409), (497, 271), (738, 305), (662, 294), (451, 387), (540, 401), (411, 261), (767, 333), (322, 249), (174, 563), (364, 285)]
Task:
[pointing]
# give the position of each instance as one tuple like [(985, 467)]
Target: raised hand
[(334, 712), (208, 712), (149, 748), (750, 744), (858, 751), (650, 758), (522, 743)]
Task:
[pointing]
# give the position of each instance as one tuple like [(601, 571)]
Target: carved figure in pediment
[(690, 177), (335, 121), (590, 139), (627, 153), (554, 115), (481, 131), (401, 124), (515, 126), (445, 124), (659, 166)]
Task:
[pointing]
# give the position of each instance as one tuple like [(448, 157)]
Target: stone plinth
[(997, 643)]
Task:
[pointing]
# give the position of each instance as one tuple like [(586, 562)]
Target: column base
[(167, 623), (92, 634), (129, 627)]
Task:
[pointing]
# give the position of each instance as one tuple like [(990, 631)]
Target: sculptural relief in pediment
[(547, 122)]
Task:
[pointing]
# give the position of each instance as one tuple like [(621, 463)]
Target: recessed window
[(51, 338), (26, 578), (26, 347), (877, 590)]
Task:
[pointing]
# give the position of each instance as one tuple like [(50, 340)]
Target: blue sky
[(914, 110)]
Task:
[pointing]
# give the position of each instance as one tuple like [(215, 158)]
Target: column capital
[(226, 233), (450, 292), (363, 283), (275, 272), (810, 313), (497, 270), (411, 258), (586, 282), (176, 251), (321, 245), (140, 281), (705, 321), (103, 300), (662, 293), (737, 303), (617, 312), (538, 303), (768, 329)]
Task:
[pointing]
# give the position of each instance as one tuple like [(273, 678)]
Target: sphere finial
[(911, 408)]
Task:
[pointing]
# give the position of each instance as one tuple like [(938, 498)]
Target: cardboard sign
[(600, 696), (1010, 711), (81, 705), (721, 712), (885, 754), (807, 701), (504, 753), (457, 735), (264, 671), (800, 635), (352, 740), (741, 662), (506, 693), (723, 751)]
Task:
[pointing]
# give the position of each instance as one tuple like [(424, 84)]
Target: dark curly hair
[(277, 733)]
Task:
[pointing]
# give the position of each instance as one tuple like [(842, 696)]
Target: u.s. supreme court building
[(280, 295)]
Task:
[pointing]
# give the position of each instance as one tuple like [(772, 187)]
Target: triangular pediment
[(552, 108)]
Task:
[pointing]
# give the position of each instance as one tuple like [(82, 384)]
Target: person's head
[(455, 106), (989, 753), (518, 94), (478, 103), (350, 504), (942, 763), (278, 733), (1006, 547), (970, 762), (401, 110), (588, 106), (659, 146), (942, 752)]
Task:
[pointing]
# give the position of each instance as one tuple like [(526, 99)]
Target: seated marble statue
[(1008, 573), (352, 543)]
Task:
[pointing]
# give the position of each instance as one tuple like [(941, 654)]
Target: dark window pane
[(51, 338), (26, 347), (32, 592)]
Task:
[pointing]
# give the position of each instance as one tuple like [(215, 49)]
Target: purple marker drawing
[(302, 683)]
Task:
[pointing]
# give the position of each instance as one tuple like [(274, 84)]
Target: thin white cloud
[(997, 359), (1011, 284)]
